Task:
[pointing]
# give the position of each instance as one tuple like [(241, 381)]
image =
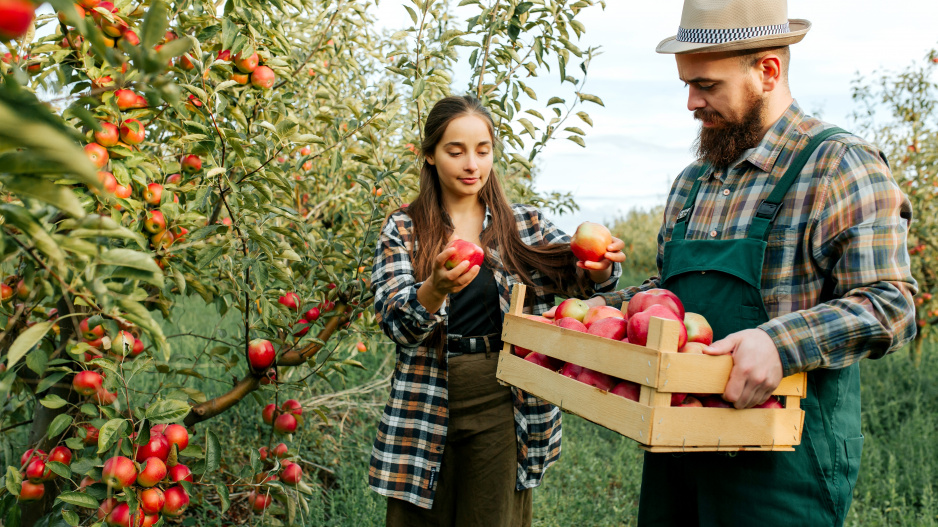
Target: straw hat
[(726, 25)]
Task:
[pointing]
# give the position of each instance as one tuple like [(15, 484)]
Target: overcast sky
[(641, 138)]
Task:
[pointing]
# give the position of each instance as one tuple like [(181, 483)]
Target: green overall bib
[(812, 486)]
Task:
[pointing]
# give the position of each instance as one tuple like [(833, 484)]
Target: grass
[(597, 479)]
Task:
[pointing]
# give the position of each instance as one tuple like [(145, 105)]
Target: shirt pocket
[(778, 267)]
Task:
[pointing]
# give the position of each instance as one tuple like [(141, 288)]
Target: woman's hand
[(601, 271), (443, 281)]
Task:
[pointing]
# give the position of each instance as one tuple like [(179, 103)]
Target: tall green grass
[(596, 482)]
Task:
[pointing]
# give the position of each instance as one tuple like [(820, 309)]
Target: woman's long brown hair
[(433, 227)]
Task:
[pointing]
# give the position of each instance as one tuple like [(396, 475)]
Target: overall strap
[(680, 226), (768, 209)]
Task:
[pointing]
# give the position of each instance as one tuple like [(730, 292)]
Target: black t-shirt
[(474, 311)]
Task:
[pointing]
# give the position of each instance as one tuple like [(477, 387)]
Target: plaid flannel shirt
[(411, 435), (843, 223)]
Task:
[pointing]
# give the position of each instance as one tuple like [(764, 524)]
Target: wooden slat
[(697, 373), (715, 427), (617, 413), (619, 359)]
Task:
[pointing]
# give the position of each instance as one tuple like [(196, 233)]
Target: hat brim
[(799, 28)]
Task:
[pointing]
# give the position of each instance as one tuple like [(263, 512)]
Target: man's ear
[(770, 71)]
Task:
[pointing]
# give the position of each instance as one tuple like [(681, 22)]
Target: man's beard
[(723, 144)]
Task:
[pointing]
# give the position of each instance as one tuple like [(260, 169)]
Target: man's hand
[(757, 368), (592, 302)]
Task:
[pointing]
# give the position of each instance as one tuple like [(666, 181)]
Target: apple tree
[(900, 110), (244, 154)]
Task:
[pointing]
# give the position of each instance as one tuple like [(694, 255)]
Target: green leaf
[(79, 499), (575, 130), (133, 260), (13, 480), (59, 468), (585, 118), (110, 433), (222, 491), (154, 24), (26, 341), (58, 425), (590, 98), (24, 221), (528, 126), (412, 13), (167, 411), (578, 140), (71, 518), (53, 401), (212, 452), (555, 100)]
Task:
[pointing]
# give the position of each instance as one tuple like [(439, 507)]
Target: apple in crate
[(572, 308), (571, 370), (590, 241), (638, 325), (465, 251), (645, 299), (715, 401), (571, 323), (678, 398), (600, 312), (690, 400), (627, 389), (692, 347), (771, 402), (598, 379), (698, 329), (610, 328), (543, 360), (523, 352)]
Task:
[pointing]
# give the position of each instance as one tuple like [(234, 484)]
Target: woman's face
[(463, 157)]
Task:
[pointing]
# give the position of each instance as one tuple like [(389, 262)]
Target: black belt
[(458, 344)]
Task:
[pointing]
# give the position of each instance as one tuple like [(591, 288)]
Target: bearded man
[(789, 235)]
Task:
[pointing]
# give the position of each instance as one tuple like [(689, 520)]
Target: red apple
[(285, 424), (130, 38), (259, 501), (571, 324), (291, 474), (610, 328), (122, 344), (91, 434), (268, 414), (106, 507), (96, 154), (36, 471), (691, 401), (590, 241), (573, 308), (600, 312), (180, 472), (175, 501), (241, 78), (645, 299), (628, 389), (138, 347), (692, 347), (678, 398), (31, 491), (698, 329), (108, 136), (126, 99), (465, 251), (62, 454), (149, 520), (246, 64), (312, 315), (123, 191), (87, 382), (140, 101), (108, 181), (132, 132), (177, 435), (771, 402), (280, 451), (152, 472), (6, 293), (715, 401), (638, 324), (571, 370), (598, 379), (292, 406), (191, 164), (261, 354), (174, 179), (153, 194), (157, 447), (262, 453), (155, 222), (15, 18), (303, 330), (263, 77), (542, 360), (224, 54), (291, 300), (151, 500), (119, 472), (104, 397)]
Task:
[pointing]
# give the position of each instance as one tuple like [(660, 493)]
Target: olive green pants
[(476, 486)]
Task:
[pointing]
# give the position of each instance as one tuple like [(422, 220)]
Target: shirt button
[(713, 234), (726, 192)]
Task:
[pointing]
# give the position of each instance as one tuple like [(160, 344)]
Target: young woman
[(454, 447)]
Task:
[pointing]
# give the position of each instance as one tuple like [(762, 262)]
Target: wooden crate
[(661, 371)]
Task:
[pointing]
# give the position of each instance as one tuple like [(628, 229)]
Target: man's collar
[(765, 154)]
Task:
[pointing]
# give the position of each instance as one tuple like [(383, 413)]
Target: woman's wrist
[(599, 277), (429, 297)]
